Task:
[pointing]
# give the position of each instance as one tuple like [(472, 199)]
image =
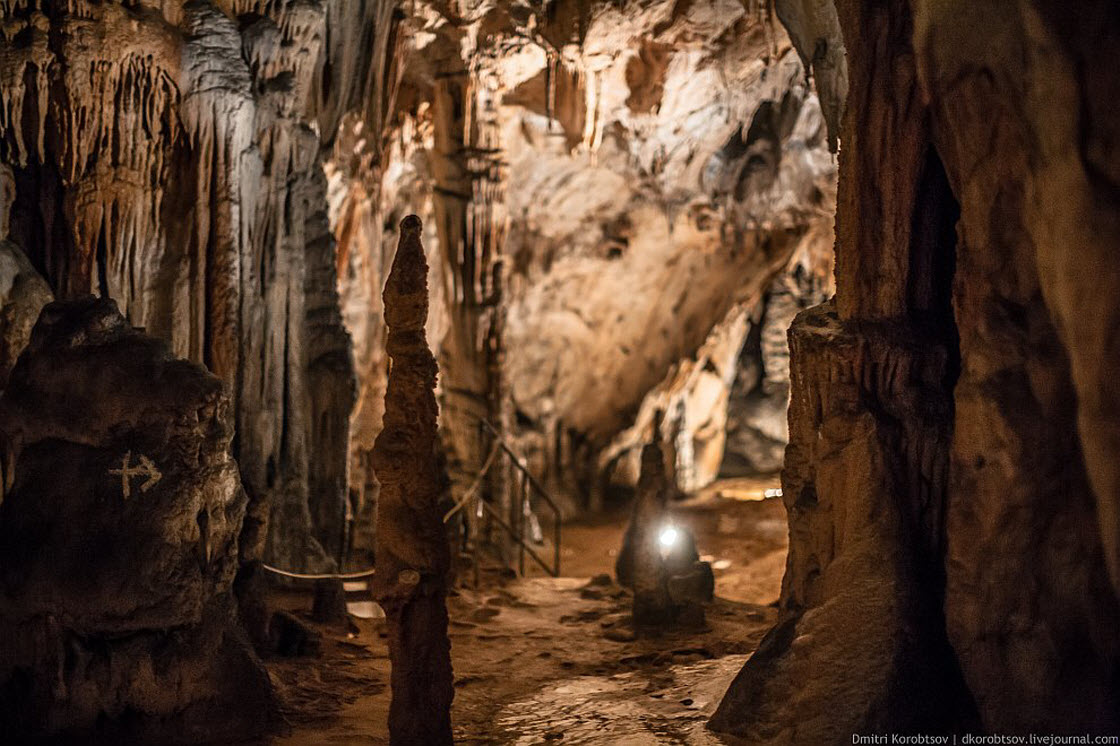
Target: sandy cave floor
[(542, 660)]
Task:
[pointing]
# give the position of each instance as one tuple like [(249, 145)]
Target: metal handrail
[(518, 533)]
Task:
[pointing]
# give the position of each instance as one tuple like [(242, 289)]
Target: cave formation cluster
[(624, 205)]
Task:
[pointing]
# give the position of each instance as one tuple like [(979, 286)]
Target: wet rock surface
[(119, 533)]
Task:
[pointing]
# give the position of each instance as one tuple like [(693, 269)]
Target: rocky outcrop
[(658, 560), (946, 475), (119, 534), (23, 293), (639, 561), (413, 552), (856, 604), (702, 169)]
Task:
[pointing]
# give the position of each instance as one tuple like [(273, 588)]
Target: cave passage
[(716, 372)]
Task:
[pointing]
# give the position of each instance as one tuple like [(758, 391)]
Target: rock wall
[(952, 509), (627, 177), (701, 169), (120, 535), (228, 173), (758, 396), (168, 155)]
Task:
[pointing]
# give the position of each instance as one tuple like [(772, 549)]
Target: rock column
[(413, 556)]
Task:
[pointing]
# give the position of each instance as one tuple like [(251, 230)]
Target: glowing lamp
[(668, 537)]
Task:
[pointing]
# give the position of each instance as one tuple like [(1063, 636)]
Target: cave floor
[(552, 660)]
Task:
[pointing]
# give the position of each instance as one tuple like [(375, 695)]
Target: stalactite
[(471, 222), (171, 162), (413, 554)]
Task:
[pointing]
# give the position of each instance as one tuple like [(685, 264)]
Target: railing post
[(556, 544), (521, 521)]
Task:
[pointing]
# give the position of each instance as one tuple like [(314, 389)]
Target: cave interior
[(710, 372)]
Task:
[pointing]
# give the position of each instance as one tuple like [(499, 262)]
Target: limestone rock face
[(169, 155), (631, 176), (119, 536), (703, 168), (856, 589), (1033, 514), (23, 293), (951, 411), (757, 430)]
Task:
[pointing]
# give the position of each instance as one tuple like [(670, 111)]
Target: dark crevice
[(933, 260)]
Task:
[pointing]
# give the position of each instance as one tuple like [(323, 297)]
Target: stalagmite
[(658, 559), (413, 556), (639, 562)]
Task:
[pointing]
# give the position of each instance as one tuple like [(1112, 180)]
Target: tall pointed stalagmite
[(652, 605), (413, 556)]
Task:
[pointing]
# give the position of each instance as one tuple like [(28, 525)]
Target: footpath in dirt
[(542, 660)]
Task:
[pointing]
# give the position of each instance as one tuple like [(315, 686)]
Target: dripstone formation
[(669, 581), (952, 479), (119, 532), (169, 155), (413, 555)]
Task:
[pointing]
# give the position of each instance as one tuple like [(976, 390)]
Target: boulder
[(119, 538)]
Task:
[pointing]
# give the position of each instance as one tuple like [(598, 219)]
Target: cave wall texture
[(602, 188), (121, 533), (951, 478), (616, 198), (611, 184), (169, 155), (612, 197)]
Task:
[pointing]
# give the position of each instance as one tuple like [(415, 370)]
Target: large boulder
[(119, 541)]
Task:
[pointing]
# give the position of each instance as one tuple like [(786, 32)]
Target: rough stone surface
[(23, 293), (169, 155), (639, 564), (951, 413), (119, 535), (756, 423), (670, 584), (413, 552), (626, 177), (861, 648)]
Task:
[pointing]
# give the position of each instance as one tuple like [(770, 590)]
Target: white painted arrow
[(144, 468)]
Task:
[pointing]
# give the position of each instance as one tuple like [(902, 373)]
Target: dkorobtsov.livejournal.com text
[(968, 739)]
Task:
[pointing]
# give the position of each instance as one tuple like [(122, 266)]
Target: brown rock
[(170, 156), (951, 477), (119, 541), (413, 554)]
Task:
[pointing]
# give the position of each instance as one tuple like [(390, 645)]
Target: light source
[(668, 537)]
